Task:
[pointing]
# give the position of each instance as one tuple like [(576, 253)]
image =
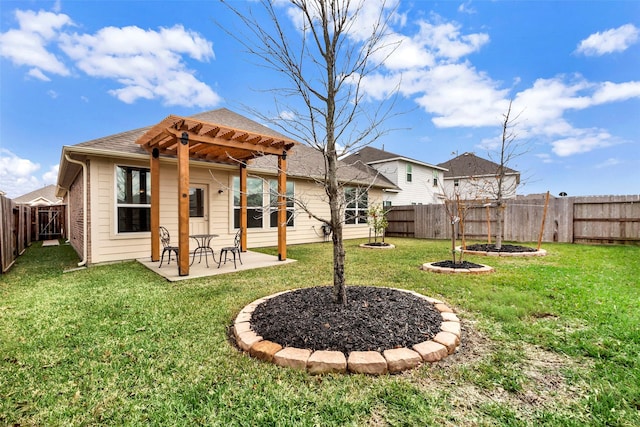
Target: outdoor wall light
[(220, 191)]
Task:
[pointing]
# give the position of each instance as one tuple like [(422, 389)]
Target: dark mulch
[(451, 264), (484, 247), (377, 244), (374, 319)]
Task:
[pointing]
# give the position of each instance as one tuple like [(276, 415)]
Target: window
[(386, 204), (273, 203), (196, 202), (409, 172), (456, 182), (357, 200), (133, 189), (254, 202), (435, 178), (256, 211)]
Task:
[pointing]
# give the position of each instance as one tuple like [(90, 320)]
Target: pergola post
[(186, 138), (183, 205), (243, 207), (282, 207), (155, 204)]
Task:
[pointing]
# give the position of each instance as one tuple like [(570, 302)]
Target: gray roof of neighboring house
[(302, 160), (468, 164), (371, 155), (46, 195)]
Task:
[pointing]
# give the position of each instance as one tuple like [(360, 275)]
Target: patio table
[(203, 246)]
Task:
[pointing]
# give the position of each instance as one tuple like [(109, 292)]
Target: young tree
[(509, 149), (334, 47)]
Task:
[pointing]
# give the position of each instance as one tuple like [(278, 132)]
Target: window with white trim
[(257, 210), (273, 203), (255, 193), (133, 199), (409, 172), (357, 204)]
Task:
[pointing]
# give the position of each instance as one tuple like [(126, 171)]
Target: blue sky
[(72, 71)]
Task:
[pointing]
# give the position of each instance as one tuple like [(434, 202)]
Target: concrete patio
[(250, 261)]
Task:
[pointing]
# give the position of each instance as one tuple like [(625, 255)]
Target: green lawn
[(547, 341)]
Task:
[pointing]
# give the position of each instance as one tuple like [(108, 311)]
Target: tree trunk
[(499, 224)]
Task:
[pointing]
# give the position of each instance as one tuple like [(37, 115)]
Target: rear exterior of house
[(106, 185)]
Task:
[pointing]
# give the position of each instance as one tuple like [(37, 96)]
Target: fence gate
[(49, 222)]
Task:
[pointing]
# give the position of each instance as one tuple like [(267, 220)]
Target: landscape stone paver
[(264, 350), (291, 357), (327, 362), (401, 359), (246, 339), (367, 362), (448, 340), (443, 308), (431, 351), (453, 327), (449, 317)]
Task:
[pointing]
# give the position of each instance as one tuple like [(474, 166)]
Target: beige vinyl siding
[(107, 245)]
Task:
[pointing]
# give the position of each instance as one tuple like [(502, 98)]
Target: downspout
[(84, 208)]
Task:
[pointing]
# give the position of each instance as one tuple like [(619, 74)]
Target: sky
[(73, 71)]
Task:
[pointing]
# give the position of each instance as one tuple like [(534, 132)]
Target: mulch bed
[(376, 244), (485, 247), (374, 319), (451, 264)]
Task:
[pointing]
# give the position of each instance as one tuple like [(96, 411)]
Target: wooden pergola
[(188, 139)]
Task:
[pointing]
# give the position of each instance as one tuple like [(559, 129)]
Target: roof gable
[(42, 196), (468, 164), (371, 155)]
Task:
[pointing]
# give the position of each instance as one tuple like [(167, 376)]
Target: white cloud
[(16, 174), (610, 162), (38, 74), (466, 8), (610, 41), (28, 45), (583, 142), (615, 92), (148, 64), (51, 176)]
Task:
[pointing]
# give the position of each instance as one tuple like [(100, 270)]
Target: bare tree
[(334, 48), (510, 148)]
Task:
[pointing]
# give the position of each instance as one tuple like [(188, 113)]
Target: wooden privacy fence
[(590, 219), (21, 224)]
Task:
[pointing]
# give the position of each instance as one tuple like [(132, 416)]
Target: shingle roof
[(302, 161), (468, 164), (45, 194), (370, 155)]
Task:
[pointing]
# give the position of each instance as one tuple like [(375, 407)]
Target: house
[(45, 196), (113, 202), (475, 178), (415, 182), (46, 213)]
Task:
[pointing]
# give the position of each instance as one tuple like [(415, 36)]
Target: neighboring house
[(47, 213), (106, 183), (475, 178), (415, 182), (45, 196)]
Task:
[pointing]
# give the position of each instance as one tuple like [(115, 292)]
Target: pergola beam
[(189, 139)]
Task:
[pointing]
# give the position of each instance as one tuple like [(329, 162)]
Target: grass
[(547, 341)]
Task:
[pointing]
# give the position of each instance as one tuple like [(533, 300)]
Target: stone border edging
[(389, 246), (429, 266), (361, 362), (541, 252)]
